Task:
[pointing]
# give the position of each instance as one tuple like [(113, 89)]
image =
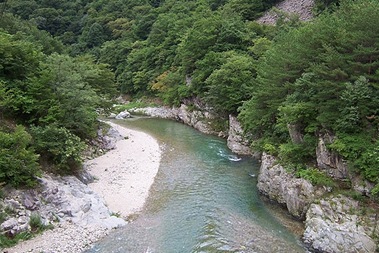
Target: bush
[(298, 153), (60, 146), (361, 152), (316, 177), (18, 161)]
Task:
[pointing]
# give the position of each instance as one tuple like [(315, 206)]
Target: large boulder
[(123, 115), (71, 200), (295, 193), (337, 225)]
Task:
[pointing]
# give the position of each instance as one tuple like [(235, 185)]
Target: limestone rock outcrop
[(201, 120), (329, 161), (236, 140), (337, 225), (295, 193)]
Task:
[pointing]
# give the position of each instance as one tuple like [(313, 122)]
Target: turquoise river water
[(204, 199)]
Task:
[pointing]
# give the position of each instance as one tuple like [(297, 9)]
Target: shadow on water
[(204, 199)]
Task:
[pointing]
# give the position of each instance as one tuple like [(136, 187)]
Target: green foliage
[(18, 162), (36, 224), (6, 241), (375, 190), (321, 75), (26, 31), (59, 146), (321, 5), (231, 84), (18, 59), (360, 100), (299, 77), (94, 36), (361, 151), (292, 153), (316, 177), (57, 93), (73, 100)]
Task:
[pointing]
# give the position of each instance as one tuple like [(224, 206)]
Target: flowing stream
[(204, 199)]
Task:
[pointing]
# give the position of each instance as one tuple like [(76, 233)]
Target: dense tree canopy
[(322, 76), (61, 60)]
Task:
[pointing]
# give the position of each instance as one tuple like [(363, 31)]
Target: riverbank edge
[(71, 235)]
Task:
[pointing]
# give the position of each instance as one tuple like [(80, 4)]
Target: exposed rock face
[(200, 120), (328, 160), (236, 141), (361, 185), (334, 226), (279, 185), (295, 133), (157, 112), (105, 141), (63, 199), (300, 8)]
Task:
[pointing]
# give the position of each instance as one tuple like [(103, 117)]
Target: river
[(204, 199)]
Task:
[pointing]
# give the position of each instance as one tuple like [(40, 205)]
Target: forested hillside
[(63, 60)]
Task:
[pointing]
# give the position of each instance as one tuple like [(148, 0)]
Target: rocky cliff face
[(296, 194), (332, 224), (338, 224), (334, 165), (330, 161), (236, 140)]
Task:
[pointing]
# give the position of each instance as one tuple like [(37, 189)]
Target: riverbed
[(204, 199)]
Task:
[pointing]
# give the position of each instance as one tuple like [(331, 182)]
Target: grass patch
[(36, 224), (9, 241), (3, 217)]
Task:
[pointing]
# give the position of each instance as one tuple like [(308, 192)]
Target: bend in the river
[(204, 199)]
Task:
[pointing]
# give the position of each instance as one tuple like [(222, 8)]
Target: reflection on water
[(204, 199)]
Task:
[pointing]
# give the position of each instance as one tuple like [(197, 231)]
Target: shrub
[(315, 176), (362, 153), (60, 146), (18, 161)]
